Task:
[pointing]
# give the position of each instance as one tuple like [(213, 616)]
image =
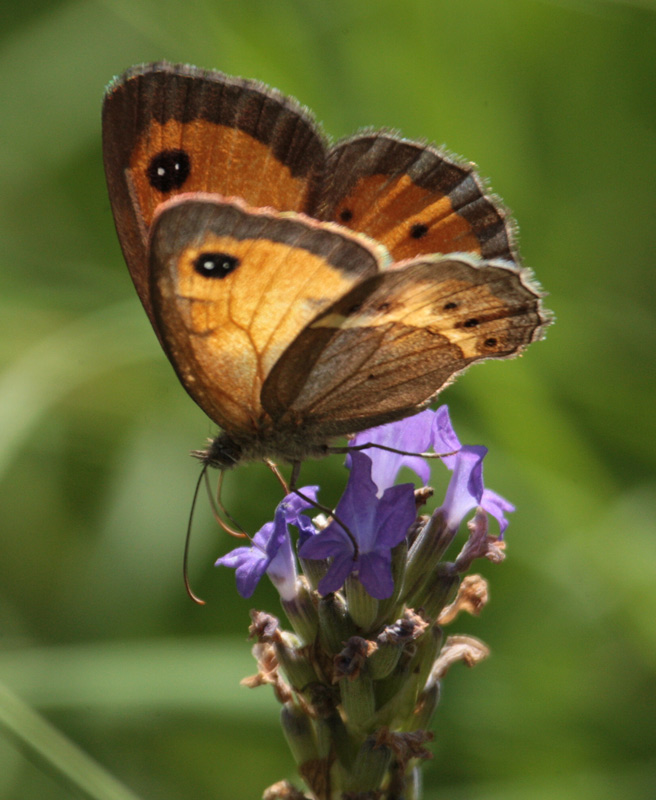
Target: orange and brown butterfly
[(303, 291)]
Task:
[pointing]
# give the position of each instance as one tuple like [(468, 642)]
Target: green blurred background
[(556, 101)]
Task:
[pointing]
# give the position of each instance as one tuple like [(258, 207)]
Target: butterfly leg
[(274, 468), (296, 471)]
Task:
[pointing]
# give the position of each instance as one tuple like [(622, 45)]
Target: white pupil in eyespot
[(161, 171)]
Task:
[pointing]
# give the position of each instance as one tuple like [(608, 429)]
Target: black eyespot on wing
[(168, 170), (215, 265), (450, 306), (345, 215), (491, 342), (470, 323), (418, 230)]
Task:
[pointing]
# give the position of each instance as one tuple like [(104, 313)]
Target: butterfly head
[(222, 452)]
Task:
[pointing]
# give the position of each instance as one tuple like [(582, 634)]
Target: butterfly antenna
[(218, 508), (369, 445), (185, 558)]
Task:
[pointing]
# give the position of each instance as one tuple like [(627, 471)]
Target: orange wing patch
[(201, 156), (407, 219)]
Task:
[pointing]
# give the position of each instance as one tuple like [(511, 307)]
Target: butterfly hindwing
[(233, 286), (391, 343)]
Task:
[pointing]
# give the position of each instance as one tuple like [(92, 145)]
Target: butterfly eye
[(168, 170), (215, 265)]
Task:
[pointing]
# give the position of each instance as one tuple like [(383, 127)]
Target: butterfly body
[(301, 291)]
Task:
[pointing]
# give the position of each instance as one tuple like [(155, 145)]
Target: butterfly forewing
[(232, 287), (171, 129), (389, 345)]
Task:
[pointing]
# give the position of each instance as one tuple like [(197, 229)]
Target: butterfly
[(303, 291)]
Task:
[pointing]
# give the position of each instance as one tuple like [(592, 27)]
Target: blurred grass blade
[(55, 753)]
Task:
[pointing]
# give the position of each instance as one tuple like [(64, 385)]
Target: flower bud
[(357, 697), (424, 556), (362, 607), (335, 625), (298, 731), (439, 592), (392, 642), (295, 664), (302, 613), (428, 649), (369, 767)]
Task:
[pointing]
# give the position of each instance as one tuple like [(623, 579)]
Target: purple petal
[(249, 563), (339, 570), (466, 485), (282, 564), (395, 513), (498, 507), (234, 557), (249, 573), (265, 539), (293, 504), (327, 543), (444, 438), (270, 552), (306, 529), (374, 521), (412, 434), (357, 505), (375, 573), (377, 524)]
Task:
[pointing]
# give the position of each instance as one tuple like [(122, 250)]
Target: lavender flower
[(271, 551), (376, 525), (433, 430)]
